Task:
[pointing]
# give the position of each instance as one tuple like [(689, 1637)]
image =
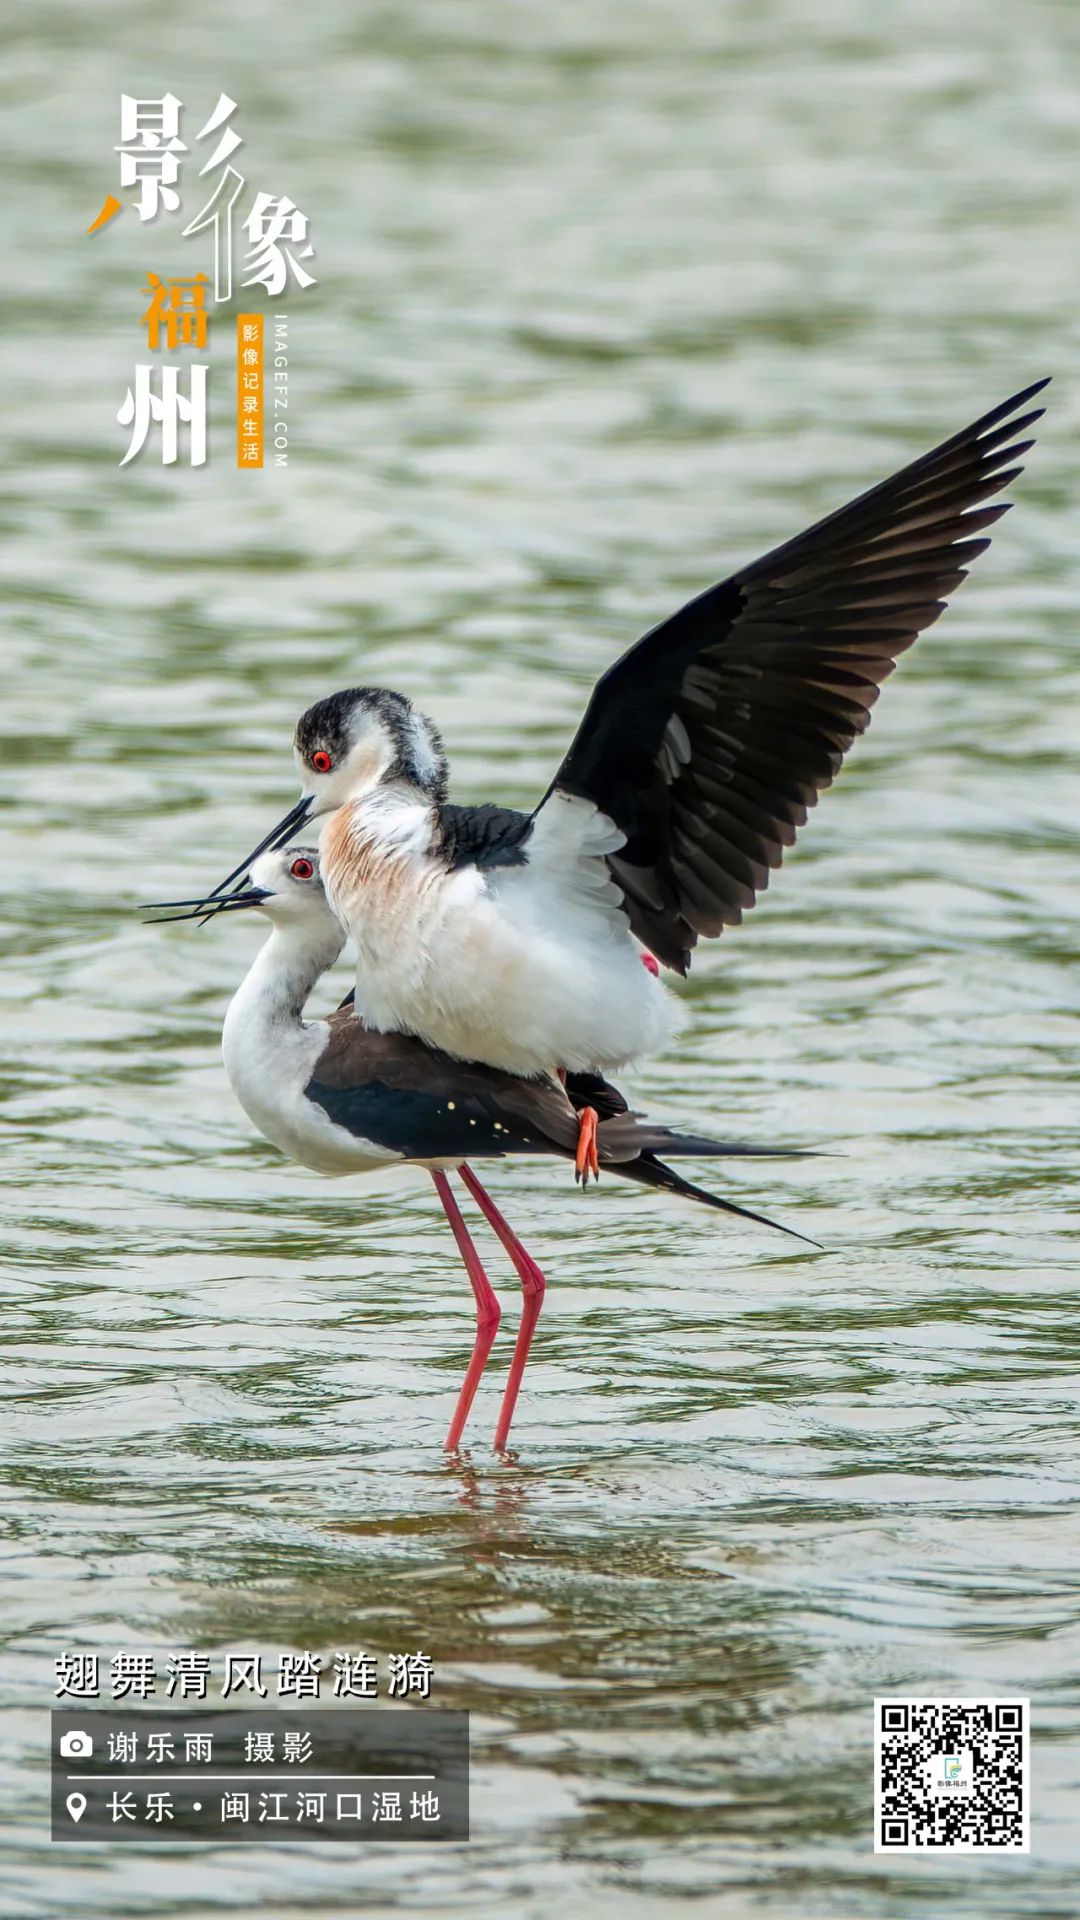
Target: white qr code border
[(896, 1829)]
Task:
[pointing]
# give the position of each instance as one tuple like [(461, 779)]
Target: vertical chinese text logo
[(168, 394)]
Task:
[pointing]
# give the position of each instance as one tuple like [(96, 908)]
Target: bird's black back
[(484, 836)]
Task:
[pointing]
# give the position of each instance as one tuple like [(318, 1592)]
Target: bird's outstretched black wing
[(710, 739)]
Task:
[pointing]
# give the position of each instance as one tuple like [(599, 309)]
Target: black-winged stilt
[(339, 1097), (510, 937)]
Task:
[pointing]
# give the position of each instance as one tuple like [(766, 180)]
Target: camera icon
[(76, 1745)]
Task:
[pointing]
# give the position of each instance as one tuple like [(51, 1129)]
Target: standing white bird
[(510, 937), (341, 1098)]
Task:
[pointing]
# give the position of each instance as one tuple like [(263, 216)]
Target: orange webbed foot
[(587, 1159)]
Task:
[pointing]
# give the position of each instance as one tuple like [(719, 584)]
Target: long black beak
[(208, 909), (275, 838)]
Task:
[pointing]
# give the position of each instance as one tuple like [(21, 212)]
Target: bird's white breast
[(527, 968)]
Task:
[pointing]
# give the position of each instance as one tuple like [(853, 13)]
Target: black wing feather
[(709, 741), (485, 836), (422, 1123)]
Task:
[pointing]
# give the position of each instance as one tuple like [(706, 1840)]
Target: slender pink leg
[(533, 1286), (487, 1310)]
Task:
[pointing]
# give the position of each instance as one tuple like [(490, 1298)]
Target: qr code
[(951, 1774)]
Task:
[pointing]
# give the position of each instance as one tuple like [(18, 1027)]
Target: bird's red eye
[(321, 761), (301, 869)]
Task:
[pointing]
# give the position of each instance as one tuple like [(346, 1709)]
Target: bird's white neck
[(281, 976), (392, 818), (270, 1053)]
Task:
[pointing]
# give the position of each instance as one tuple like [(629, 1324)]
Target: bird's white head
[(349, 744), (287, 887), (363, 738)]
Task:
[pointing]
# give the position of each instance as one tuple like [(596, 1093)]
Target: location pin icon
[(76, 1805)]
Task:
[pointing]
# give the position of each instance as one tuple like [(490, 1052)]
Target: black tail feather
[(699, 1146), (637, 1131), (627, 1134), (652, 1172)]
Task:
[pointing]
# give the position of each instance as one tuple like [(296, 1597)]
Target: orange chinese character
[(182, 307)]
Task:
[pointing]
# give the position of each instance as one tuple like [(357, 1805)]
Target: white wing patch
[(567, 880), (573, 987), (675, 749)]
